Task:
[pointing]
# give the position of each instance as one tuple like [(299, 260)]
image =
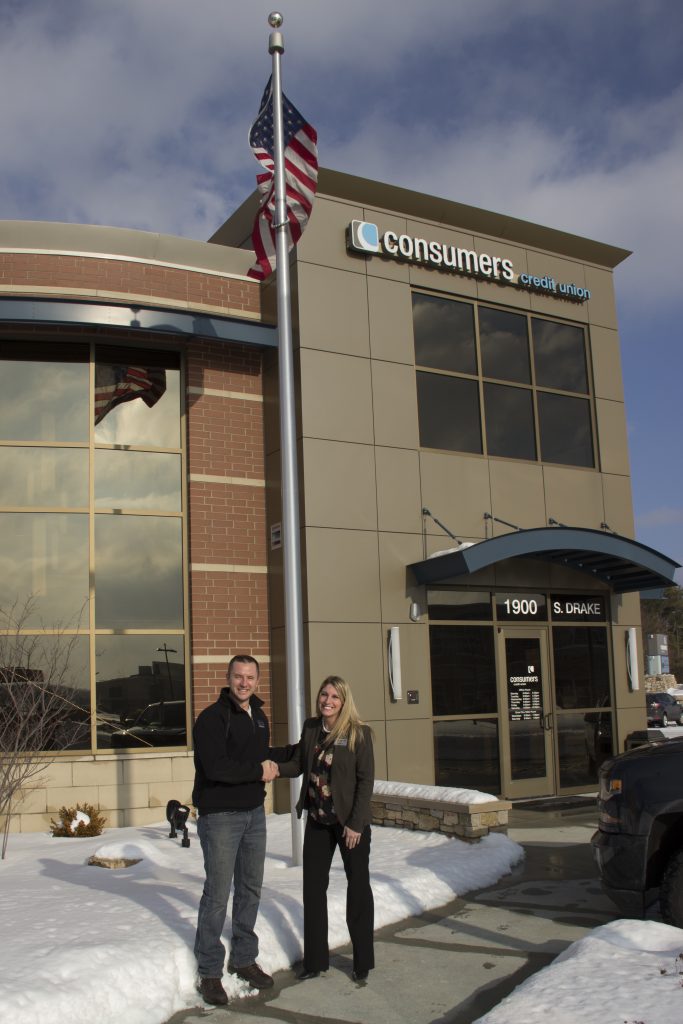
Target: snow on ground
[(83, 943), (626, 972)]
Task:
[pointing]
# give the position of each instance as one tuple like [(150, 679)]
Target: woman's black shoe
[(307, 975), (360, 975)]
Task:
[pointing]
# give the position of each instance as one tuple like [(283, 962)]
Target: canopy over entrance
[(624, 565)]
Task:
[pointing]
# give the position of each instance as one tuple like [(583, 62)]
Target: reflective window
[(515, 415), (463, 670), (44, 476), (138, 572), (509, 422), (44, 561), (455, 604), (504, 345), (43, 392), (47, 576), (584, 741), (559, 356), (448, 410), (137, 397), (140, 691), (45, 682), (466, 755), (581, 667), (137, 480), (444, 334), (565, 430)]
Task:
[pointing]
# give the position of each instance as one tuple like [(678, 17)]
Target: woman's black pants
[(320, 842)]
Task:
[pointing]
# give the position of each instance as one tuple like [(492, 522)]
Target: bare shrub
[(39, 709)]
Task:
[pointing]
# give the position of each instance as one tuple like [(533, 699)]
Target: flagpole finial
[(275, 41)]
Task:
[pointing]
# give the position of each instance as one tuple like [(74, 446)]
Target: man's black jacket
[(229, 746)]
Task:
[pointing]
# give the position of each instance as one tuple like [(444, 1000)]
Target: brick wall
[(81, 275), (227, 514)]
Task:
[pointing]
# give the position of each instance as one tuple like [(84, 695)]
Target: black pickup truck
[(639, 843)]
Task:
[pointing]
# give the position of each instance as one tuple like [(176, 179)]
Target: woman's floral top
[(320, 806)]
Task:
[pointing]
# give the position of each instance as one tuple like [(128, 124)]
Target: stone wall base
[(465, 821)]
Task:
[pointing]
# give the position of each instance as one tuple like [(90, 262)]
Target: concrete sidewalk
[(453, 965)]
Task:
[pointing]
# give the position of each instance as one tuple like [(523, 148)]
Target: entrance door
[(527, 713)]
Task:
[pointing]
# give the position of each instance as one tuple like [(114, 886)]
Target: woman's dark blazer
[(353, 774)]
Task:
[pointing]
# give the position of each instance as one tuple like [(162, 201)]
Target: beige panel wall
[(365, 479), (611, 418), (410, 751), (332, 310)]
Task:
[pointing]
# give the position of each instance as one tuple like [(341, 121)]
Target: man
[(231, 756)]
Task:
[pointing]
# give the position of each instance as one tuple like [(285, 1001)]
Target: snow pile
[(621, 973), (89, 944), (442, 793)]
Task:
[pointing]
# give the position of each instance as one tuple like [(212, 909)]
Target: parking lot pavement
[(453, 964)]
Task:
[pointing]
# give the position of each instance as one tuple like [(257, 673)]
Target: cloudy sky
[(136, 113)]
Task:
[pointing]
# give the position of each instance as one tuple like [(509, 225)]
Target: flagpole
[(290, 484)]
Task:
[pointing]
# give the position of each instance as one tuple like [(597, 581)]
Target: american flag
[(117, 384), (301, 178)]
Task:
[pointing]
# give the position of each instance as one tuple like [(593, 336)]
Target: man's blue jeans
[(234, 845)]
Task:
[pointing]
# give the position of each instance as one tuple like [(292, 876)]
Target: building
[(458, 373)]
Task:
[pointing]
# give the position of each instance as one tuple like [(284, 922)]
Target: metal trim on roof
[(135, 317), (623, 565)]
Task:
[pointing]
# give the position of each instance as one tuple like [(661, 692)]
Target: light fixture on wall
[(394, 653), (415, 611), (632, 659)]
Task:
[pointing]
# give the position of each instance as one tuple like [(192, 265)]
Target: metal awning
[(623, 565)]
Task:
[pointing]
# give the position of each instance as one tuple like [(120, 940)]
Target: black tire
[(671, 891), (665, 719)]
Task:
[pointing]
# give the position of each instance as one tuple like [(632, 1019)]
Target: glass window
[(581, 667), (565, 430), (448, 410), (44, 566), (559, 356), (140, 691), (44, 476), (444, 334), (504, 345), (43, 393), (137, 397), (138, 572), (466, 755), (137, 480), (48, 679), (463, 670), (584, 741), (456, 604), (509, 422)]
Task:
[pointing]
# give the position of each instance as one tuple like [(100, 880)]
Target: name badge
[(341, 742), (261, 725)]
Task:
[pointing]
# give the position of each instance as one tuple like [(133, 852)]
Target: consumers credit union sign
[(365, 237)]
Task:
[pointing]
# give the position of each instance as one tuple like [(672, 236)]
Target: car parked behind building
[(663, 709)]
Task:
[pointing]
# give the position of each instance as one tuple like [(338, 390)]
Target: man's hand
[(270, 771), (352, 838)]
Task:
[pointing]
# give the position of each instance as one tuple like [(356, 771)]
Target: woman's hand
[(351, 838)]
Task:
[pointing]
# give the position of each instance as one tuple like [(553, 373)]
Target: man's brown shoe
[(211, 991), (253, 975)]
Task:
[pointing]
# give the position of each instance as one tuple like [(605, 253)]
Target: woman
[(336, 758)]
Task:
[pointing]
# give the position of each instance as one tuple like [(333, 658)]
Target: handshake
[(270, 771)]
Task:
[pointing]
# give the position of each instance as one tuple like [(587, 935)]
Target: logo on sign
[(364, 236)]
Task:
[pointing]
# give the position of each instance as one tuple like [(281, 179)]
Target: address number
[(521, 606)]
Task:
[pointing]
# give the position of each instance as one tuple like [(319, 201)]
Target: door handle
[(548, 721)]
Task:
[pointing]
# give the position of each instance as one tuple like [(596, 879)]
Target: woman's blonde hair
[(349, 722)]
